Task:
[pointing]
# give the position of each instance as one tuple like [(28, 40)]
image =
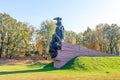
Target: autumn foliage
[(23, 38)]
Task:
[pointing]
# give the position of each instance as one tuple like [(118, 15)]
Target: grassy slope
[(99, 64), (80, 68)]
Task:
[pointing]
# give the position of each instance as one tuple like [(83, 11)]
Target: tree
[(86, 35), (112, 34), (79, 39), (99, 31), (15, 36), (70, 37), (5, 23), (45, 33), (39, 45)]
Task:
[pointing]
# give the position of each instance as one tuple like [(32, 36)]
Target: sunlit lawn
[(38, 72)]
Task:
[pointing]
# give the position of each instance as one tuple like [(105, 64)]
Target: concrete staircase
[(69, 51)]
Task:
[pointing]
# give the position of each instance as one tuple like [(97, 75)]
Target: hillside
[(102, 64)]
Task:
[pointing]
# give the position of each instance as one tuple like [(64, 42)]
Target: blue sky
[(77, 15)]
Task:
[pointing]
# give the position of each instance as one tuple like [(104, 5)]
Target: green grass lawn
[(80, 68)]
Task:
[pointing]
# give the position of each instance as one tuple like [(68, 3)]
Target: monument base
[(69, 51)]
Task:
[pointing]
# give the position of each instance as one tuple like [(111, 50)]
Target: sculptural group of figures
[(57, 38)]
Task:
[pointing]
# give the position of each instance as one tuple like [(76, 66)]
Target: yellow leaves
[(93, 45), (39, 46), (70, 40), (119, 47)]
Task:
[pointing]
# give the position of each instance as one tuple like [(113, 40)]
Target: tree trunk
[(6, 53), (8, 42), (111, 48), (0, 52), (1, 49)]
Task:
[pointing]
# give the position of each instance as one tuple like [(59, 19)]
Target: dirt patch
[(25, 60)]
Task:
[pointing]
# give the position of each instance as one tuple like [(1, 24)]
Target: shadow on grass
[(46, 68)]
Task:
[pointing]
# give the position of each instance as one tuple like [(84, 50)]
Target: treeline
[(105, 38), (21, 39)]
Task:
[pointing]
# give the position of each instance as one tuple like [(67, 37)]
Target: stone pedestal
[(69, 51)]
